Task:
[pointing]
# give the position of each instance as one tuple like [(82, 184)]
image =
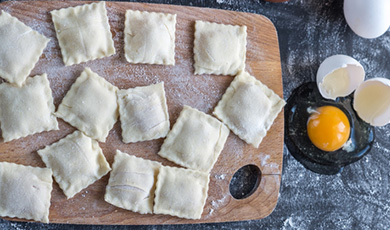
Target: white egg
[(372, 101), (338, 76), (367, 18)]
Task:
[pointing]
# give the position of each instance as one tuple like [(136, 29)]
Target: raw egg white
[(367, 18)]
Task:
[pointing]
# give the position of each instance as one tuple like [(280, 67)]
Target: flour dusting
[(216, 204), (225, 1), (268, 167)]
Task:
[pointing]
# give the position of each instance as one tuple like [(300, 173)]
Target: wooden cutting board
[(182, 88)]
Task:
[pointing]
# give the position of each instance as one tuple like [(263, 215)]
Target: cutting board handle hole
[(245, 181)]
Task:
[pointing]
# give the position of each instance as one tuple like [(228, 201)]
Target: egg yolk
[(328, 128)]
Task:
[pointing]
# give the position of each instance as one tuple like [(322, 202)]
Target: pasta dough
[(249, 108), (219, 48), (181, 192), (83, 33), (20, 49), (26, 110), (90, 105), (195, 141), (25, 191), (76, 161), (150, 37), (132, 183), (143, 113)]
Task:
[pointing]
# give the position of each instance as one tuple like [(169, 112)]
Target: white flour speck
[(268, 167), (216, 204), (15, 226), (224, 1), (210, 212), (264, 160), (220, 176)]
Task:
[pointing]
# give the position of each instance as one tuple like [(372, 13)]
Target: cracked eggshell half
[(338, 76), (372, 101)]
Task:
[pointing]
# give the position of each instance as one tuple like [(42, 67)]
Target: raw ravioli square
[(249, 108), (76, 161), (25, 191), (181, 192), (219, 49), (90, 105), (20, 49), (143, 113), (195, 141), (83, 33), (132, 183), (150, 37), (28, 109)]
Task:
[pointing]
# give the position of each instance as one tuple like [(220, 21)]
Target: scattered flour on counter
[(288, 223), (381, 148), (16, 226), (224, 1)]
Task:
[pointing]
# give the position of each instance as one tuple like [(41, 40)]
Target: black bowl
[(297, 141)]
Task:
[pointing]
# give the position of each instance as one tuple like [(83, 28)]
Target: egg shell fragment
[(367, 18), (339, 71), (372, 101)]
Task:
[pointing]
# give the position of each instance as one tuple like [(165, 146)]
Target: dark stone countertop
[(358, 198)]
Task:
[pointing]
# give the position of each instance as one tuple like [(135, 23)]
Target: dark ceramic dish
[(296, 116)]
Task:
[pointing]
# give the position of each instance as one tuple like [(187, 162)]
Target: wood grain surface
[(182, 88)]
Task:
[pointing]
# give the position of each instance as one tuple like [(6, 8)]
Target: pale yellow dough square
[(132, 183), (143, 113), (25, 191), (83, 33), (219, 49), (195, 141), (181, 192), (249, 108), (150, 37), (90, 105), (76, 161), (20, 49), (28, 109)]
